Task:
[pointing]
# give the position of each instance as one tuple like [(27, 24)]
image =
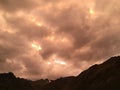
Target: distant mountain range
[(105, 76)]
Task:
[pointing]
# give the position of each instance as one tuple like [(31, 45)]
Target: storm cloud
[(57, 38)]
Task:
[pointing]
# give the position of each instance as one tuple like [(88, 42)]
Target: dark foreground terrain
[(105, 76)]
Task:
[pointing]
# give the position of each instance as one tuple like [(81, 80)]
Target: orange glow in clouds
[(57, 62), (35, 21), (36, 46), (91, 11), (60, 62)]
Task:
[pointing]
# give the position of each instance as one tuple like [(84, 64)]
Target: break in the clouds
[(57, 38)]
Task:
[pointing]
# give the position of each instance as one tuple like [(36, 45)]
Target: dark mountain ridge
[(105, 76)]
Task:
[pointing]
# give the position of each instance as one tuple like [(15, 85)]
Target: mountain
[(8, 81), (105, 76)]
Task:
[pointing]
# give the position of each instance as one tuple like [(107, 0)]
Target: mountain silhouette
[(105, 76), (8, 81)]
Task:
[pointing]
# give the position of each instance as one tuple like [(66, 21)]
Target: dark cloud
[(11, 45), (14, 5)]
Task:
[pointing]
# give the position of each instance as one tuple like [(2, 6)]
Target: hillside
[(105, 76)]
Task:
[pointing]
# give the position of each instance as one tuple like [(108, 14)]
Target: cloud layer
[(52, 39)]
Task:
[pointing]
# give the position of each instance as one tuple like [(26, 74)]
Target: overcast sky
[(57, 38)]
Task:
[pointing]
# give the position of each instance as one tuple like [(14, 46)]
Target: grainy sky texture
[(57, 38)]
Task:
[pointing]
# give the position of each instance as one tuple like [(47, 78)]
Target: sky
[(57, 38)]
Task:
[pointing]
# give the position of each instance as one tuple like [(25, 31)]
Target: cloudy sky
[(57, 38)]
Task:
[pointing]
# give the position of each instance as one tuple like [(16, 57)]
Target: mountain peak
[(9, 75)]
